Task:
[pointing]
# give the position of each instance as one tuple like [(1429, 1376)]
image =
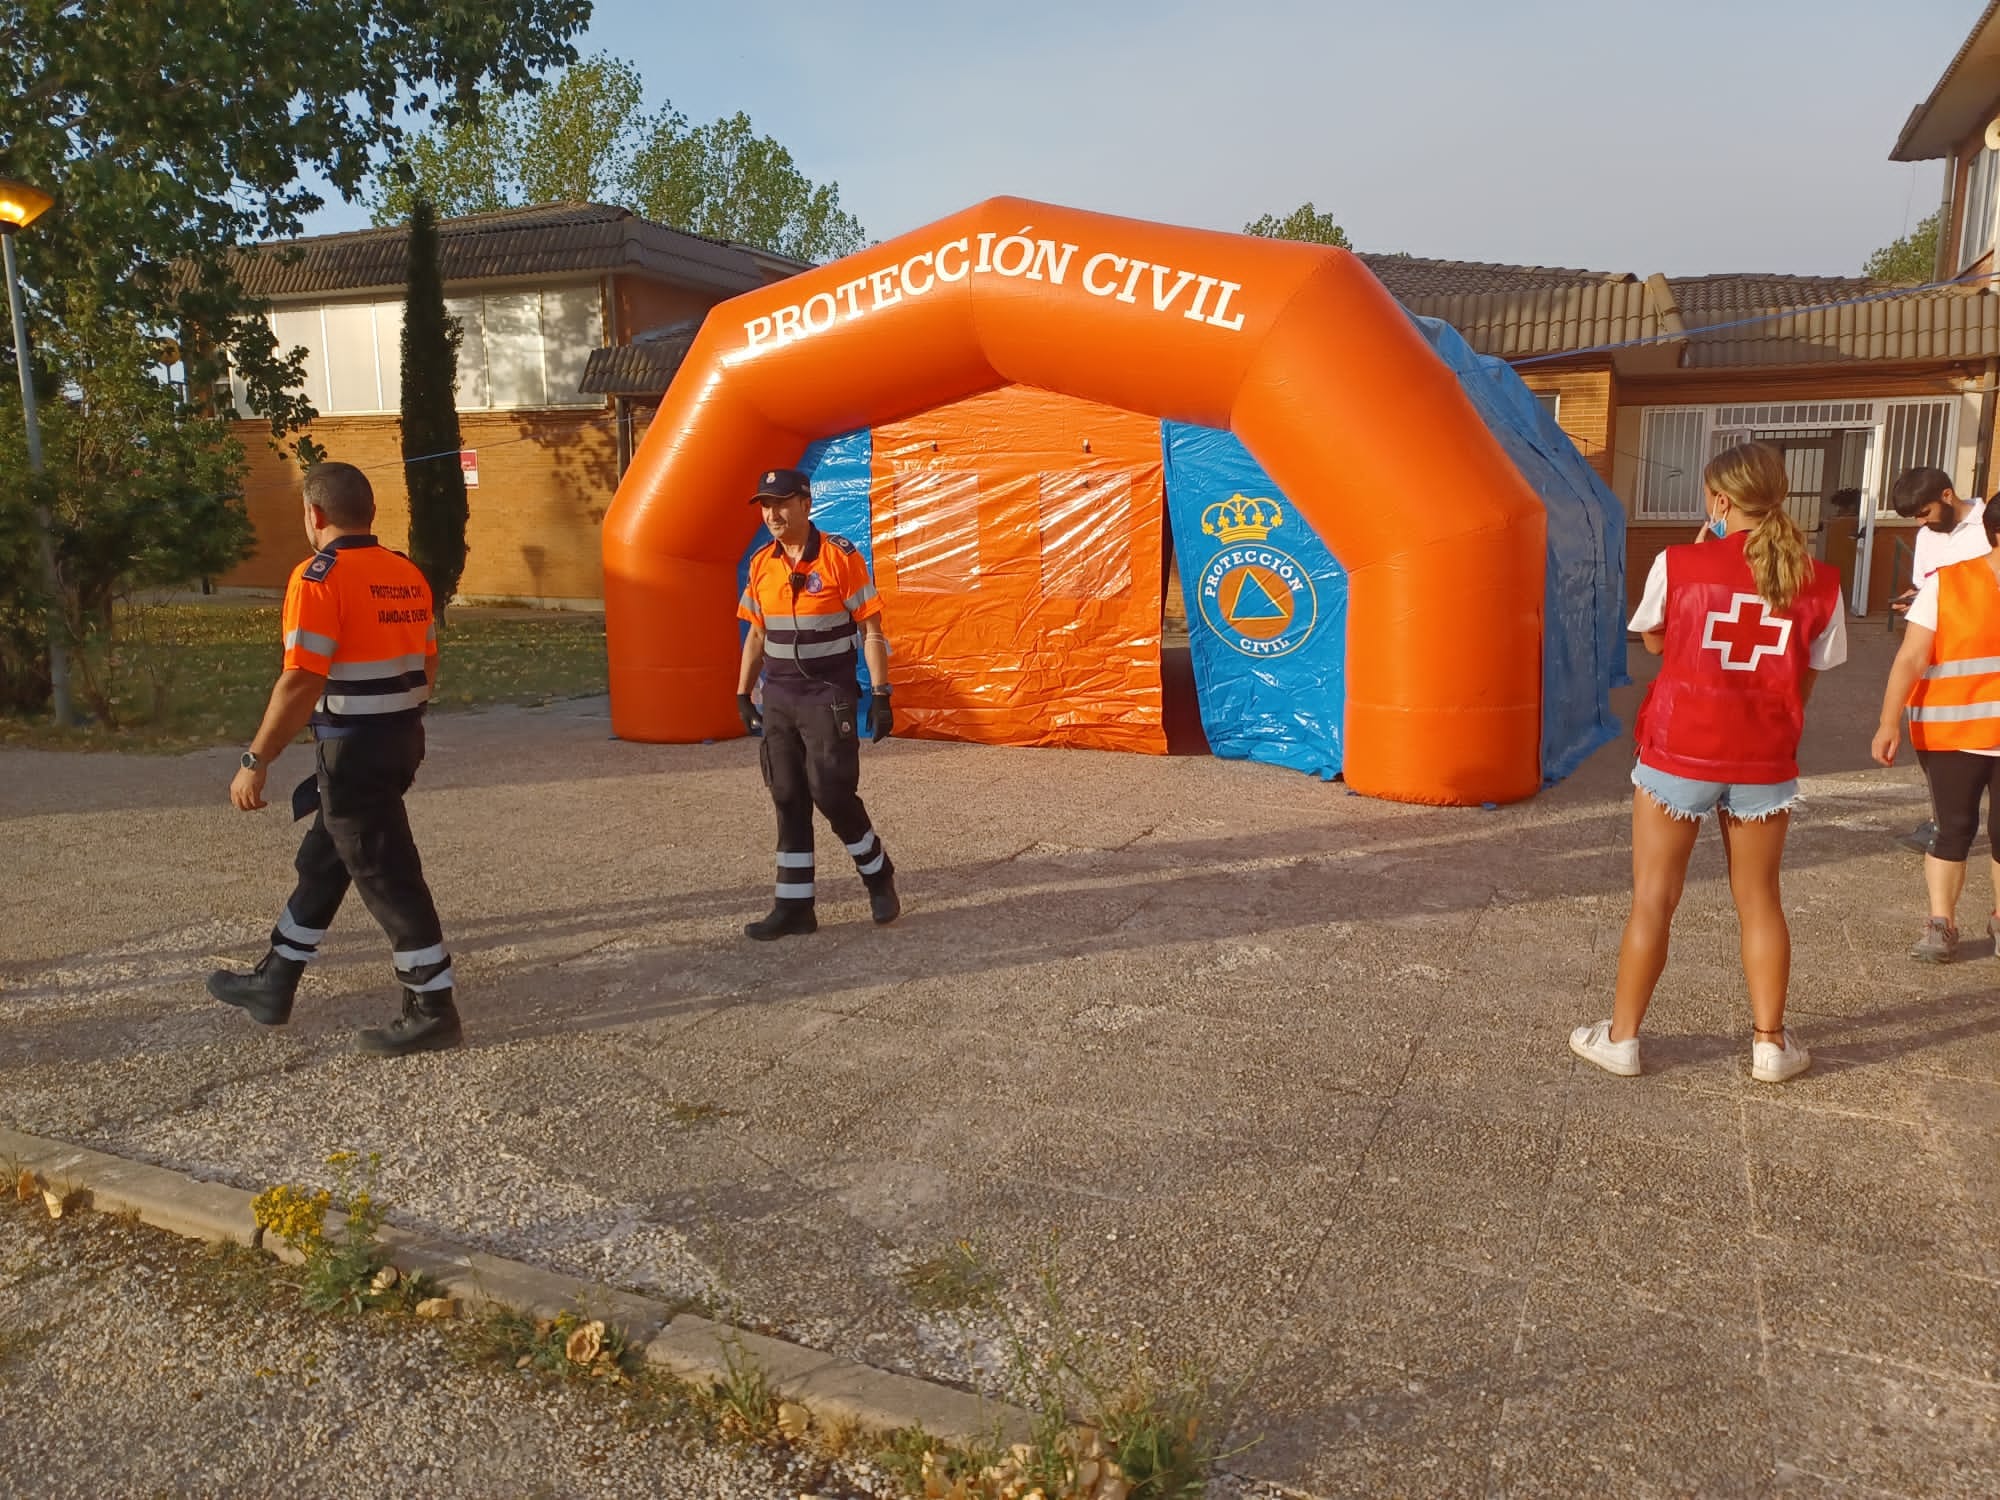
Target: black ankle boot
[(786, 919), (429, 1023), (883, 902), (265, 993)]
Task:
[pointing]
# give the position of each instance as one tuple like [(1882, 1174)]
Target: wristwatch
[(250, 761)]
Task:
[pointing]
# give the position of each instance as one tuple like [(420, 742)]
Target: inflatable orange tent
[(1297, 349)]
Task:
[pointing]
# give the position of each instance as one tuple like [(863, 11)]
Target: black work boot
[(883, 903), (785, 919), (265, 993), (429, 1023)]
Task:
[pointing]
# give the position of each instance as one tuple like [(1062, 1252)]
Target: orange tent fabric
[(1295, 348), (1019, 540)]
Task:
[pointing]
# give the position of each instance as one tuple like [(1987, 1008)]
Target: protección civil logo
[(1256, 597)]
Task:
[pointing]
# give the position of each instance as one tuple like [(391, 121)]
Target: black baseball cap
[(781, 484)]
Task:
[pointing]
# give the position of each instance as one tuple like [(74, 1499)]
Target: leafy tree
[(438, 509), (1911, 259), (587, 138), (724, 181), (1300, 224), (174, 137), (144, 493)]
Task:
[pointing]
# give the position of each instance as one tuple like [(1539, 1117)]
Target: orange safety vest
[(359, 615), (1956, 705)]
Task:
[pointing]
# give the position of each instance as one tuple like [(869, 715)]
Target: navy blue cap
[(781, 484)]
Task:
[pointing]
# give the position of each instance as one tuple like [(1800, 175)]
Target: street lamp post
[(20, 206)]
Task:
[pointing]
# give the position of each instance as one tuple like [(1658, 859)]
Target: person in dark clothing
[(813, 614)]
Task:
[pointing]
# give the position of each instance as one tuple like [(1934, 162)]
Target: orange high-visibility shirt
[(809, 611), (359, 615), (1956, 703)]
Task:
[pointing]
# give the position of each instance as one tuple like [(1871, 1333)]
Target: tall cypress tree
[(431, 439)]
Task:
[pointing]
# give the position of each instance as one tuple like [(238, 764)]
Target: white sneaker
[(1770, 1063), (1594, 1045)]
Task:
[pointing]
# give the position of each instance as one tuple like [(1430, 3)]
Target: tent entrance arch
[(1296, 349)]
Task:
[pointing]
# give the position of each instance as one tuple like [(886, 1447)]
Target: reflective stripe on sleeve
[(859, 597), (311, 640)]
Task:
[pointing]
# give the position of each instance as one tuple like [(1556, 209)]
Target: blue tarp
[(1583, 626), (839, 469), (1266, 607)]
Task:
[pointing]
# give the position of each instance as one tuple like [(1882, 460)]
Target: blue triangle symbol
[(1254, 601)]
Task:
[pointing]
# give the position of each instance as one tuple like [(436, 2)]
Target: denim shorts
[(1745, 801)]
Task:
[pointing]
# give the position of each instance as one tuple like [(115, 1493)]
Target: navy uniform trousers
[(812, 758), (360, 836)]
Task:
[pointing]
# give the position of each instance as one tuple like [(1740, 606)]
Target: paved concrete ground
[(1283, 1069), (132, 1363)]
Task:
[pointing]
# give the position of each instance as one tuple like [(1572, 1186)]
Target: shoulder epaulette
[(320, 566), (840, 541)]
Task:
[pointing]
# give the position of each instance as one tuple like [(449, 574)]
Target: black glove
[(880, 717), (750, 714)]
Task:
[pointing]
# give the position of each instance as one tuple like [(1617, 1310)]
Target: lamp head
[(21, 205)]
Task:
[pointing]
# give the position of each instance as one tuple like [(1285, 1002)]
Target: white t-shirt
[(1937, 549), (1923, 608), (1828, 650)]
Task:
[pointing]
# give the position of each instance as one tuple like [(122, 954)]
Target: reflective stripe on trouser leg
[(870, 858), (424, 970), (795, 875), (316, 897), (292, 939), (784, 756), (363, 779)]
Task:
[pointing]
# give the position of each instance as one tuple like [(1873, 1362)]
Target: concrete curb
[(694, 1348)]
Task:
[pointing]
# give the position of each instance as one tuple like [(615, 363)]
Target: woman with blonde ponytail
[(1743, 624)]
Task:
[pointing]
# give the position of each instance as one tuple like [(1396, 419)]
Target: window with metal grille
[(1917, 434), (1797, 414), (1672, 450)]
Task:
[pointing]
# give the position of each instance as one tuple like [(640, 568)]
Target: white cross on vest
[(1733, 630)]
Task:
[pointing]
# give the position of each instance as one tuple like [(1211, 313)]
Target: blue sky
[(1696, 137)]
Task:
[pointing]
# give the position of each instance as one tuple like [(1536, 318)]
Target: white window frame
[(1982, 180), (392, 350)]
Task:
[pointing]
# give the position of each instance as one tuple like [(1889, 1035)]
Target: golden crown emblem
[(1242, 519)]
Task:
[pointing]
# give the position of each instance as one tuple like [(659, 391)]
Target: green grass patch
[(955, 1277), (185, 675)]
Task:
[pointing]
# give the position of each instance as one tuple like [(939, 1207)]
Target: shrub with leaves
[(350, 1271)]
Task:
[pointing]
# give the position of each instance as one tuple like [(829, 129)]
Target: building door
[(1824, 494)]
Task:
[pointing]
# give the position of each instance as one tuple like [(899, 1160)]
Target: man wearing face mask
[(1953, 531), (813, 613)]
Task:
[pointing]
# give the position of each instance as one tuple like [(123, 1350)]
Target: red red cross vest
[(1728, 704)]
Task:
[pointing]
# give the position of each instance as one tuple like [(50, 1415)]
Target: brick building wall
[(1584, 406), (546, 479)]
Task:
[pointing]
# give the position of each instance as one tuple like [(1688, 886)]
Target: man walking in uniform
[(809, 602), (360, 663)]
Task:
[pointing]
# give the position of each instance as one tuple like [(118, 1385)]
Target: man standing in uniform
[(1953, 531), (360, 663), (808, 601)]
